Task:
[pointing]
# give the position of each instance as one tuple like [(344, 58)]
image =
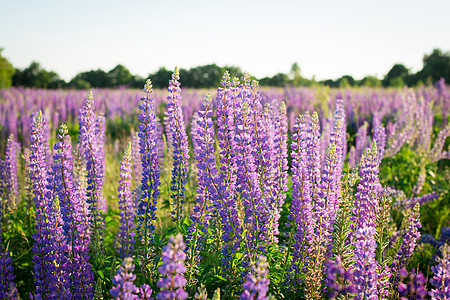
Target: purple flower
[(366, 200), (46, 140), (408, 244), (329, 189), (352, 157), (441, 278), (444, 237), (365, 266), (125, 237), (177, 131), (379, 134), (3, 190), (43, 237), (123, 282), (92, 150), (279, 165), (428, 239), (338, 280), (75, 218), (410, 203), (207, 181), (145, 292), (248, 185), (384, 284), (51, 274), (172, 269), (149, 192), (8, 288), (313, 152), (265, 159), (100, 131), (362, 140), (301, 205), (10, 164), (415, 287), (224, 202), (257, 284), (136, 156)]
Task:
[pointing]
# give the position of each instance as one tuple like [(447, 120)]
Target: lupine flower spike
[(126, 233), (441, 278), (257, 284), (123, 284), (75, 216), (94, 161), (177, 131), (146, 214), (415, 287), (172, 269)]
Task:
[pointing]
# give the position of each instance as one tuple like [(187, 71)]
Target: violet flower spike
[(177, 130), (247, 184), (441, 278), (137, 164), (365, 266), (301, 207), (329, 188), (11, 162), (126, 233), (257, 284), (123, 283), (207, 175), (94, 163), (75, 217), (224, 201), (415, 288), (172, 269), (279, 168), (338, 280), (314, 156), (410, 238), (366, 200), (8, 289), (43, 246), (149, 192)]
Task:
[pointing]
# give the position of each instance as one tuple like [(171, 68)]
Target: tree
[(96, 78), (36, 76), (137, 82), (161, 78), (435, 66), (397, 82), (206, 76), (346, 81), (120, 76), (279, 79), (398, 70), (330, 83), (79, 84), (6, 72), (370, 81), (295, 70)]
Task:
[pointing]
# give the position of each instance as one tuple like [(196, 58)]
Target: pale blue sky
[(327, 38)]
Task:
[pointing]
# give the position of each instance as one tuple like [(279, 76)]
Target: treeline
[(435, 66)]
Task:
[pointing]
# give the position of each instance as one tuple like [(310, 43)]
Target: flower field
[(238, 193)]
